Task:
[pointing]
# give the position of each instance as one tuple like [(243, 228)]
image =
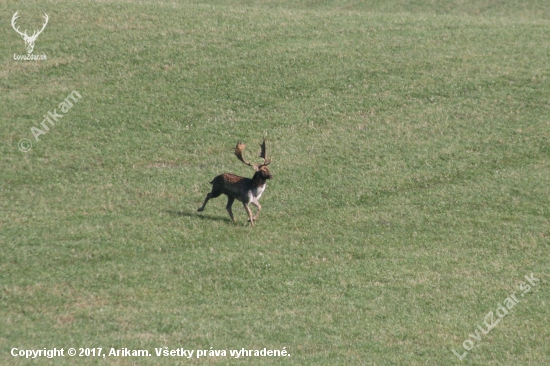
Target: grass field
[(411, 156)]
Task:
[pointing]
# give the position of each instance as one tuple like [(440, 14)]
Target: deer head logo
[(29, 40)]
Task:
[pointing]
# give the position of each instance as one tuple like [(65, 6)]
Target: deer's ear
[(256, 168)]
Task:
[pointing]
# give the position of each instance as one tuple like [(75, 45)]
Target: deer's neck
[(257, 180)]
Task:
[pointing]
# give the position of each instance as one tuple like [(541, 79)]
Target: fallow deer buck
[(243, 189)]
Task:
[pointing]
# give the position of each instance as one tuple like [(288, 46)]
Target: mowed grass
[(410, 193)]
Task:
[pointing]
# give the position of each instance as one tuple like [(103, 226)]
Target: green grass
[(410, 193)]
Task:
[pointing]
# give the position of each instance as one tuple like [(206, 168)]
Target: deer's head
[(260, 169), (29, 40)]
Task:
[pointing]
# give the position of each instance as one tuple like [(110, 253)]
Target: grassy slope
[(410, 148)]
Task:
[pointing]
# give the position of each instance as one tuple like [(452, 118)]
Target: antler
[(35, 35), (239, 152), (24, 34), (13, 19), (263, 154)]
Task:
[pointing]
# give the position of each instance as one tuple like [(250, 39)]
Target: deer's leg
[(247, 209), (230, 201), (257, 204), (208, 196)]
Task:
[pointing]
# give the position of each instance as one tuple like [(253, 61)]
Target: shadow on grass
[(196, 214)]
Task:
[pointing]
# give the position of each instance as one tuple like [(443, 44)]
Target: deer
[(246, 190), (29, 40)]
